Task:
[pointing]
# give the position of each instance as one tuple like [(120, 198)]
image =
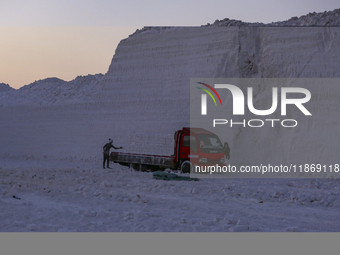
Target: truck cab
[(197, 146)]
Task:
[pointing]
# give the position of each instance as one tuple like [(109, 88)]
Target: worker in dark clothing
[(226, 150), (106, 149)]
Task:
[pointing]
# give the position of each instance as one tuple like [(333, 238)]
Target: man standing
[(106, 149)]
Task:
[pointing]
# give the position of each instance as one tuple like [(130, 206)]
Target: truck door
[(188, 146)]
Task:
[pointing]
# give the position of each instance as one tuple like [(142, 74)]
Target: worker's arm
[(117, 148)]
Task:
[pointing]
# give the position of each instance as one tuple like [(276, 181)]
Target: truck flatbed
[(143, 161)]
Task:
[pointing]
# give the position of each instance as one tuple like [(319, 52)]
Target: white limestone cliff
[(144, 97)]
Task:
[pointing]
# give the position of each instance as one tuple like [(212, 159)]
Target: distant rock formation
[(330, 18), (321, 19)]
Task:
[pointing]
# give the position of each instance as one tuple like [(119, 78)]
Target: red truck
[(193, 146)]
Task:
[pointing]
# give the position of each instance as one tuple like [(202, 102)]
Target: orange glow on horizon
[(33, 53)]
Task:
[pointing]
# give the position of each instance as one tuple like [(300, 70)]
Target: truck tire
[(186, 166)]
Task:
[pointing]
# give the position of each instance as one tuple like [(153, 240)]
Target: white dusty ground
[(82, 197)]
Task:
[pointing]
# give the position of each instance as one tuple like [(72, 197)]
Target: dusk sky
[(64, 39)]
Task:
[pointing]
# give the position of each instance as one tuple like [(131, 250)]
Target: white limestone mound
[(51, 91), (5, 87)]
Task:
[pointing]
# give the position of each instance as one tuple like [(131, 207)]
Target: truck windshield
[(210, 144)]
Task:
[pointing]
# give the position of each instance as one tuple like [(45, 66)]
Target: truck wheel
[(186, 166)]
